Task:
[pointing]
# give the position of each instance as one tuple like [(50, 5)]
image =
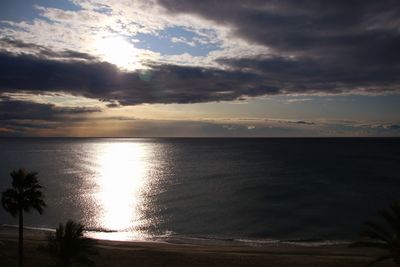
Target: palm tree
[(24, 195), (378, 236), (69, 246)]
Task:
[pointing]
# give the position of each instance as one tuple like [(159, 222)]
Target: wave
[(47, 229), (100, 230), (303, 243), (174, 238), (43, 229), (215, 240)]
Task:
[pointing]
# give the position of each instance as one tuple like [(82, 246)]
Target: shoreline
[(184, 239), (159, 253)]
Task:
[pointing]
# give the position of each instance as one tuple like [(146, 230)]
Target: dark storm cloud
[(42, 51), (167, 83), (23, 128), (184, 84), (307, 75), (20, 117), (330, 41), (316, 47), (24, 110), (295, 25)]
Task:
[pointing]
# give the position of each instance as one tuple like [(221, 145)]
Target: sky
[(189, 68)]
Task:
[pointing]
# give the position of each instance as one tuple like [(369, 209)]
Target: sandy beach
[(118, 253)]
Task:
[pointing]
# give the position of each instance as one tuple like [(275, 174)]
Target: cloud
[(250, 49), (166, 83), (24, 118), (297, 100), (314, 44), (383, 126), (273, 47), (101, 80), (21, 47), (293, 25), (307, 75), (25, 110), (183, 40), (288, 122), (392, 127), (304, 122), (20, 118)]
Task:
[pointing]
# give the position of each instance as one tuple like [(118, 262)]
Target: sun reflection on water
[(121, 179)]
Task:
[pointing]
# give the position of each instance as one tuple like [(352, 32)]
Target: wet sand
[(118, 253)]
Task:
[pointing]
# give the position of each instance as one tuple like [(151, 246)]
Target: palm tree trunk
[(21, 238)]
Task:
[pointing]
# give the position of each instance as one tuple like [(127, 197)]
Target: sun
[(118, 51)]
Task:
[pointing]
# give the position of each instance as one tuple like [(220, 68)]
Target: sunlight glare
[(118, 51), (121, 179)]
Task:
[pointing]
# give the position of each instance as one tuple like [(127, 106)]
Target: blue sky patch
[(175, 41), (19, 10)]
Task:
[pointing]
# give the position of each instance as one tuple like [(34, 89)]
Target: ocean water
[(250, 190)]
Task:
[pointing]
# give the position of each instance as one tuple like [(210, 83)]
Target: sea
[(310, 191)]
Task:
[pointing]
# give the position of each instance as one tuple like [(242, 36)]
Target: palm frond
[(33, 199), (68, 245), (381, 258), (18, 178), (25, 193), (370, 244), (9, 201), (379, 237), (380, 230), (374, 235), (391, 219), (395, 207)]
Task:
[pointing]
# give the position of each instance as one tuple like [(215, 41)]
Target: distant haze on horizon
[(174, 68)]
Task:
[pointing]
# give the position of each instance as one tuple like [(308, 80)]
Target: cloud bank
[(234, 50), (311, 47)]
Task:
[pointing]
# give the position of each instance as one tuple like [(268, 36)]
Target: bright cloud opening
[(118, 51)]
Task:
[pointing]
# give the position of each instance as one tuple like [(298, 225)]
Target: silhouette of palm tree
[(24, 195), (381, 237), (69, 246)]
